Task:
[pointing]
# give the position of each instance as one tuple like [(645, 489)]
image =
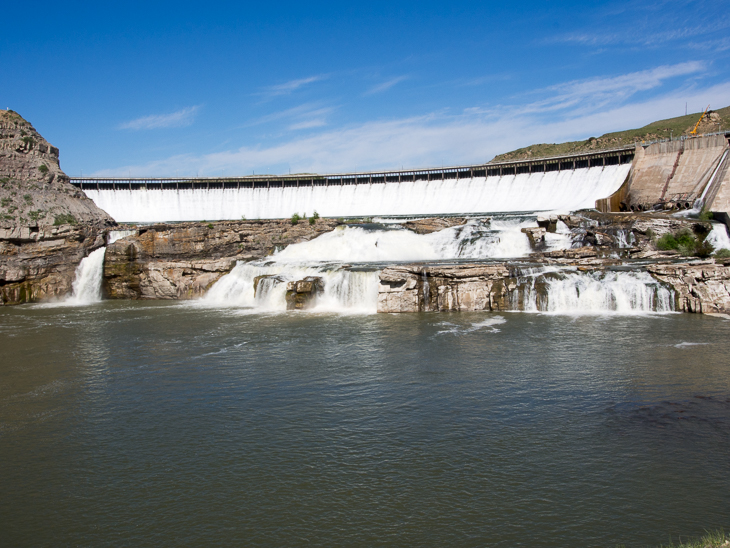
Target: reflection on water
[(147, 424)]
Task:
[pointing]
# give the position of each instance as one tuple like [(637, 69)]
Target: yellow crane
[(694, 131)]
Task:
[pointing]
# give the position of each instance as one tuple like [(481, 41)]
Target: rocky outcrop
[(536, 235), (700, 286), (703, 286), (33, 189), (39, 263), (181, 261), (414, 288), (47, 226), (433, 224), (303, 294)]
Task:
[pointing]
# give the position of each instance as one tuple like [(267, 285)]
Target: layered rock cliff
[(47, 226), (181, 261), (700, 287), (33, 189), (38, 263)]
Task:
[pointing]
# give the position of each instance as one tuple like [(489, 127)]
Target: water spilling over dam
[(566, 183)]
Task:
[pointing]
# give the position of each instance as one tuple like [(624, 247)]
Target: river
[(150, 423)]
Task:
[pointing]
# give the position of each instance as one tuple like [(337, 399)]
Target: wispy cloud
[(292, 85), (648, 32), (471, 136), (181, 118), (308, 124), (719, 45), (595, 93), (385, 85), (307, 115)]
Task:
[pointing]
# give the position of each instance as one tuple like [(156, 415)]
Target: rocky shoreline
[(699, 287), (182, 261), (39, 263), (47, 227)]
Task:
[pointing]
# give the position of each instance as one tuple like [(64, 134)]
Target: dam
[(673, 174), (567, 182)]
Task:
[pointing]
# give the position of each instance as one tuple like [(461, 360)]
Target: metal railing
[(579, 160)]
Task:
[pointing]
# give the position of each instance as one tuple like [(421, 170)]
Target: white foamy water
[(344, 290), (355, 289), (114, 235), (555, 190), (477, 239), (569, 292), (718, 237), (87, 284)]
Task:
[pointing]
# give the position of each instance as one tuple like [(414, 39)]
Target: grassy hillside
[(662, 129)]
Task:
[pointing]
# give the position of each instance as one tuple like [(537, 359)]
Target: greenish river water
[(148, 424)]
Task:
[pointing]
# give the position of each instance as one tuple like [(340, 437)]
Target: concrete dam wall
[(566, 183), (674, 173), (664, 175)]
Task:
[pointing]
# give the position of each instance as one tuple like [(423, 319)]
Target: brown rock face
[(33, 189), (37, 259), (181, 261), (702, 286), (303, 294), (433, 224), (413, 288), (39, 263)]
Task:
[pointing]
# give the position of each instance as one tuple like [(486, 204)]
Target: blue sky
[(173, 89)]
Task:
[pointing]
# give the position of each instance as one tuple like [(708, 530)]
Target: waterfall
[(331, 256), (624, 238), (87, 283), (718, 237), (114, 235), (345, 289), (349, 259), (570, 292), (567, 190)]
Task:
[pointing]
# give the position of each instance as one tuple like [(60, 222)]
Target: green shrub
[(36, 215), (685, 238), (295, 218), (5, 202), (315, 216), (210, 225), (312, 220), (723, 253), (64, 219), (706, 215), (43, 168), (703, 249), (28, 199), (670, 241)]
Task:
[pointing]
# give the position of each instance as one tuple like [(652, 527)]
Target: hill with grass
[(663, 129)]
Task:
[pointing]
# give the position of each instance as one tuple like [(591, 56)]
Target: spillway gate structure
[(602, 158)]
